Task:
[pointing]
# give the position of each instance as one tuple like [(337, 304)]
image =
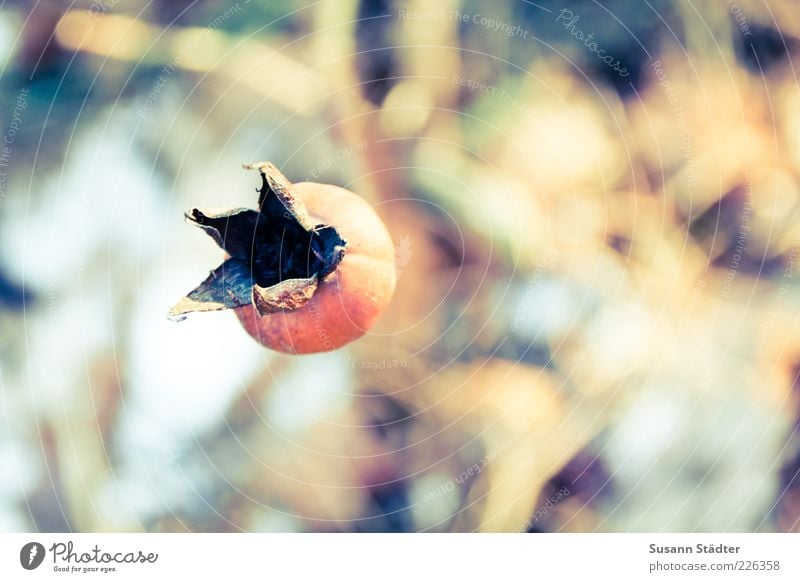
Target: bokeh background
[(595, 209)]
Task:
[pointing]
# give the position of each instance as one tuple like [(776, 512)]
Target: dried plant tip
[(275, 186), (229, 285), (277, 255), (285, 296)]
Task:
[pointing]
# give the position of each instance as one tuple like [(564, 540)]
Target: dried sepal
[(287, 295), (328, 238), (219, 225), (229, 285), (275, 183), (278, 256)]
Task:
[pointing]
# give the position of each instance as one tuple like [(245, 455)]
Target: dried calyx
[(278, 257)]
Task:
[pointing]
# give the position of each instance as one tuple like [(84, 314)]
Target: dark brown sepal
[(274, 182), (229, 285)]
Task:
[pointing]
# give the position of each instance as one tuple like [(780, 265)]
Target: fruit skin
[(348, 301)]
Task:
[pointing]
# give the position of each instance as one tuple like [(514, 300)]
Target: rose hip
[(309, 271)]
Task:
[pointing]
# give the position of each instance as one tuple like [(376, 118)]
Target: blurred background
[(595, 209)]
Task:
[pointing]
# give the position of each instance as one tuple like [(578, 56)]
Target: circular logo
[(31, 555)]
